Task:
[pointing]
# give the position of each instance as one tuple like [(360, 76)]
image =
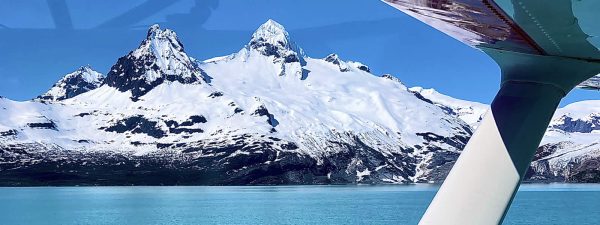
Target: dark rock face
[(458, 141), (140, 125), (193, 120), (269, 49), (50, 125), (127, 74), (184, 127), (263, 111), (216, 94), (8, 133), (440, 165), (420, 96), (83, 114), (581, 126), (185, 130), (587, 171), (441, 160), (584, 170), (539, 170), (545, 151), (137, 124), (364, 68), (237, 160), (332, 58)]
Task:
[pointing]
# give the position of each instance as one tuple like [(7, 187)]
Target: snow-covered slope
[(267, 114), (470, 112)]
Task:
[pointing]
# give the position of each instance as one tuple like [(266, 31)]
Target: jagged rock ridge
[(78, 82)]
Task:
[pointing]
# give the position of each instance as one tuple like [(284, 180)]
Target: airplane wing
[(565, 28), (544, 50)]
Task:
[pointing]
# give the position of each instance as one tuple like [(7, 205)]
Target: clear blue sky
[(37, 48)]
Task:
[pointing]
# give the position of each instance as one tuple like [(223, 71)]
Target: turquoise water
[(389, 204)]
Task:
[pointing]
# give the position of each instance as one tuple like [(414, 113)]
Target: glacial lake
[(345, 204)]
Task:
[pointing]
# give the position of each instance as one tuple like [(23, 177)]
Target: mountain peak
[(271, 39), (82, 80), (391, 77), (155, 32), (159, 58), (332, 58), (88, 74), (153, 29), (271, 32), (335, 59), (158, 40), (359, 65)]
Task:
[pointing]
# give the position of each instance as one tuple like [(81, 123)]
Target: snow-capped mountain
[(78, 82), (570, 150), (159, 58), (267, 114)]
